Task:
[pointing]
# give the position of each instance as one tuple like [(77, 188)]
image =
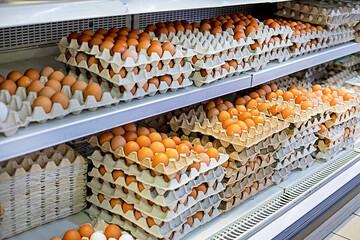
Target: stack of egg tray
[(287, 81), (249, 169), (167, 201), (41, 187), (341, 134)]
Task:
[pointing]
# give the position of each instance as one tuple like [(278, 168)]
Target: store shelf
[(330, 176), (38, 136), (20, 13), (276, 70)]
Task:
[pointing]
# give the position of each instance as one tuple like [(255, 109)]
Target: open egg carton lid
[(180, 211), (166, 227), (196, 121), (332, 152), (170, 170), (61, 156), (235, 175), (139, 233), (191, 177), (141, 58), (228, 204)]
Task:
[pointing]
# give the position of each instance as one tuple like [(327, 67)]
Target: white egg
[(126, 236), (3, 112), (112, 239), (84, 238), (98, 236)]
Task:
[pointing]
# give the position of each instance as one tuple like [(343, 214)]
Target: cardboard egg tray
[(200, 80), (258, 62), (170, 170), (21, 113), (302, 159), (302, 148), (282, 172), (131, 78), (178, 233), (345, 106), (332, 152), (280, 54), (302, 39), (145, 176), (155, 211), (330, 17), (288, 81), (338, 131), (343, 117), (307, 49), (53, 181), (307, 125), (300, 115), (209, 63), (166, 227), (187, 180), (228, 204), (196, 121), (106, 59), (234, 176), (347, 77), (301, 152)]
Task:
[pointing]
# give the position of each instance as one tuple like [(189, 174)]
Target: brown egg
[(9, 85), (32, 74), (129, 53), (24, 81), (83, 38), (205, 27), (166, 78), (150, 28), (106, 45), (154, 81), (47, 92), (43, 102), (72, 235), (112, 231), (130, 136), (143, 45), (61, 98), (54, 84), (168, 46), (132, 42), (73, 35), (68, 80), (78, 85), (57, 75), (249, 30), (161, 30), (154, 48), (86, 230), (14, 75), (96, 41), (93, 89), (2, 78), (35, 86), (213, 112)]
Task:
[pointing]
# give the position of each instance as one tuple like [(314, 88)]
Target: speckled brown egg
[(93, 89), (78, 85), (43, 102)]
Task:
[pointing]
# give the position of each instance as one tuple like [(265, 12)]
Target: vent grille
[(41, 34), (193, 15), (248, 222)]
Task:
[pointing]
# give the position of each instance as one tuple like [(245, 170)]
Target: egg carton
[(333, 133), (158, 181), (252, 175), (301, 138), (308, 49), (280, 55), (166, 227), (170, 170), (228, 204), (339, 39), (179, 212), (139, 233), (219, 74), (282, 173), (169, 198), (238, 54), (131, 78), (210, 63), (332, 152), (196, 121), (323, 147), (106, 58), (300, 40), (342, 117)]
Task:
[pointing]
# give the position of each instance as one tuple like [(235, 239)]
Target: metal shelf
[(276, 70), (38, 136), (334, 175), (19, 13)]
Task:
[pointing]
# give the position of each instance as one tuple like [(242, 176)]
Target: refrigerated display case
[(29, 32)]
